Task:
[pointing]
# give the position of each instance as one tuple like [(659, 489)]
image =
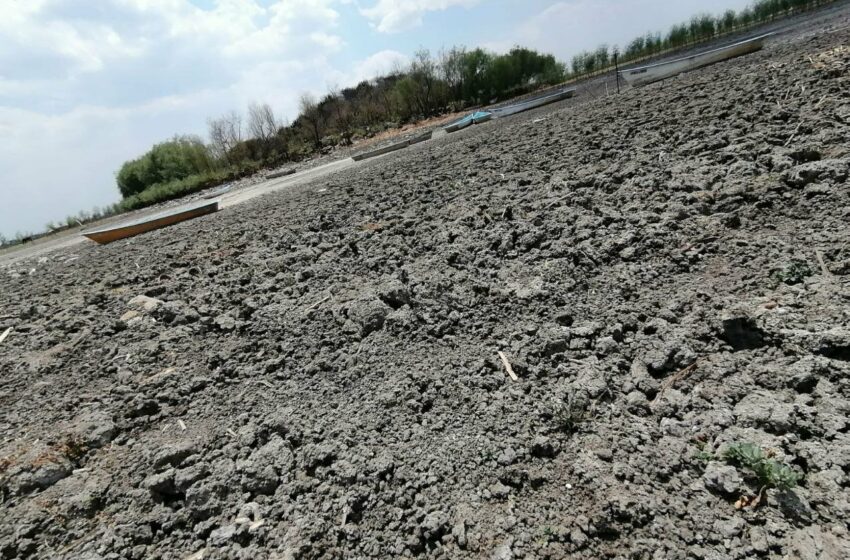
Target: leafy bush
[(794, 273), (571, 413), (182, 187), (769, 472), (170, 161)]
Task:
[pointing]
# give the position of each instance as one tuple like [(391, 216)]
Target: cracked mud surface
[(314, 374)]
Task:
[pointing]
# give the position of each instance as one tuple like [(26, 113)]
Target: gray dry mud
[(314, 374)]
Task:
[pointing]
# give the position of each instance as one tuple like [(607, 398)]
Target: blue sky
[(88, 84)]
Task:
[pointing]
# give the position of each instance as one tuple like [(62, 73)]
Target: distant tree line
[(700, 28), (430, 85)]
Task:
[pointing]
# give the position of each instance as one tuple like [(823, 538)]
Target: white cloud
[(380, 63), (86, 86), (393, 16)]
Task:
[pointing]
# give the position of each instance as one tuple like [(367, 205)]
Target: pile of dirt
[(315, 374)]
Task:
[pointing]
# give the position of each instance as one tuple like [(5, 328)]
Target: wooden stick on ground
[(5, 334), (507, 365), (673, 379), (315, 305), (824, 270), (793, 134)]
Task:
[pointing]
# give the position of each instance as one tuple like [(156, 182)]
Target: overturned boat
[(663, 70), (153, 221)]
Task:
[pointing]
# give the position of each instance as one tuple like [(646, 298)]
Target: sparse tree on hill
[(311, 115), (225, 134), (262, 123)]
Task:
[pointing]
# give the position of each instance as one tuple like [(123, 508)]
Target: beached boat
[(153, 221), (500, 112), (472, 118), (663, 70), (381, 151), (533, 103)]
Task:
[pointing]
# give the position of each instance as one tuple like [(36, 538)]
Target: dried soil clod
[(508, 366)]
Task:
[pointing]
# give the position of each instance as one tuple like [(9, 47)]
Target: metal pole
[(617, 70)]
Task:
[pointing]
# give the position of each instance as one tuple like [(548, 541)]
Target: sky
[(88, 84)]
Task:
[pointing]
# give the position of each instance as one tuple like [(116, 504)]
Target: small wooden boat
[(663, 70), (153, 221)]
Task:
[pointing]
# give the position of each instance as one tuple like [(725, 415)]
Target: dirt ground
[(314, 373)]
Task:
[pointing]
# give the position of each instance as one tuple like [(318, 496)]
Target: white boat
[(533, 103), (663, 70), (381, 151)]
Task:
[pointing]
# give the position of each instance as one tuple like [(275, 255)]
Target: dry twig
[(793, 134), (673, 379), (317, 304), (507, 365), (824, 269)]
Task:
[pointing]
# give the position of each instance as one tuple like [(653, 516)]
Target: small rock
[(174, 454), (395, 294), (434, 525), (605, 454), (51, 471), (130, 315), (722, 478), (225, 322), (606, 345), (161, 483), (503, 552), (499, 490), (315, 455), (144, 304), (636, 400), (95, 429), (369, 315), (507, 457), (184, 478), (729, 528), (833, 170), (586, 330), (459, 533), (222, 535)]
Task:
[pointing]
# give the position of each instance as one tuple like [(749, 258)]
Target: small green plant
[(769, 472), (571, 413), (794, 273), (705, 456), (546, 535)]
